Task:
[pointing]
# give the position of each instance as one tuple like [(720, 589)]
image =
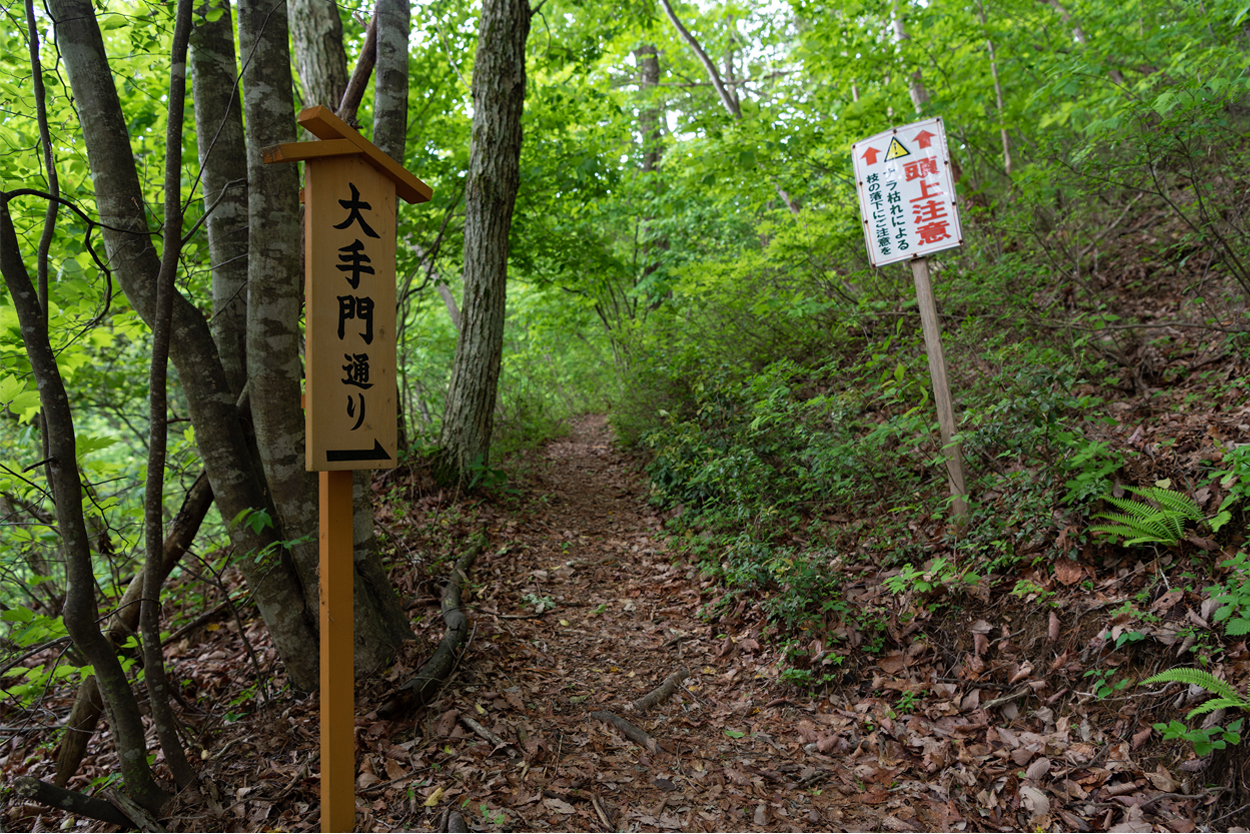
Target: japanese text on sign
[(906, 193), (351, 316)]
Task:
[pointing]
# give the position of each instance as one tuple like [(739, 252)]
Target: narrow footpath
[(578, 612)]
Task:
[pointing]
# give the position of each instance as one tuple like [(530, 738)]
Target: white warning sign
[(906, 192)]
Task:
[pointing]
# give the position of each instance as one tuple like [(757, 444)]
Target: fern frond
[(1136, 509), (1138, 529), (1142, 523), (1217, 703), (1172, 501), (1200, 678)]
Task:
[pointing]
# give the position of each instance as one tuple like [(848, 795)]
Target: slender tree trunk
[(390, 79), (223, 169), (154, 489), (490, 195), (274, 284), (998, 90), (649, 115), (88, 707), (915, 89), (317, 33), (219, 433), (81, 614)]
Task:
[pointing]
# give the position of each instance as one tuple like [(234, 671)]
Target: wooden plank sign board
[(350, 189), (350, 355)]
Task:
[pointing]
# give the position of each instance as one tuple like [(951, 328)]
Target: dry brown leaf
[(447, 723), (559, 806), (1068, 572), (1035, 801), (394, 770), (1038, 769), (1165, 602), (1134, 821), (1018, 673), (1052, 631), (980, 644), (1163, 781), (892, 663)]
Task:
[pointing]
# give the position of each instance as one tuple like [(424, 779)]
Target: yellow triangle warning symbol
[(896, 150)]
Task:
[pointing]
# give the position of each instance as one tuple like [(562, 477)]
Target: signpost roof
[(340, 139)]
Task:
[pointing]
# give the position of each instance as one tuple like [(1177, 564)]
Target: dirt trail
[(731, 749)]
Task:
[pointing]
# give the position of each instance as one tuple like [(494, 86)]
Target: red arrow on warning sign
[(871, 155), (923, 138)]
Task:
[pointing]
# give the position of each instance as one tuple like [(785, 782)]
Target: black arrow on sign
[(376, 453)]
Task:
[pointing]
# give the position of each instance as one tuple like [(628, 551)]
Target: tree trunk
[(317, 33), (380, 625), (81, 614), (223, 168), (915, 89), (154, 675), (648, 114), (390, 79), (219, 433), (274, 285), (998, 90), (494, 176)]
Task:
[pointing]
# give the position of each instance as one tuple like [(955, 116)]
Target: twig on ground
[(662, 692), (486, 734), (630, 731)]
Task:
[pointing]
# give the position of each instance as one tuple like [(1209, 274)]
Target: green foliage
[(1236, 479), (941, 573), (1104, 682), (1233, 596), (1090, 464), (1205, 740), (1140, 523), (1226, 697)]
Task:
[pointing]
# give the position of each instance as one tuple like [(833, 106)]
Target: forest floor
[(977, 716)]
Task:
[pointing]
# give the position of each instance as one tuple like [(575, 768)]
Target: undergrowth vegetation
[(783, 398)]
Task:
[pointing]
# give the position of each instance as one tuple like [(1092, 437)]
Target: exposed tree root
[(630, 731), (71, 801), (662, 692), (422, 687)]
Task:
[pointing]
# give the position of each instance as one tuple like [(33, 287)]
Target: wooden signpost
[(350, 422), (907, 202)]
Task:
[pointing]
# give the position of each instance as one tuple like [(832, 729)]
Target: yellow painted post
[(338, 697)]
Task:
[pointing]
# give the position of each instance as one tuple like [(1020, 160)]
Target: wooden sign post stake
[(906, 190), (338, 696), (941, 389), (349, 193)]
